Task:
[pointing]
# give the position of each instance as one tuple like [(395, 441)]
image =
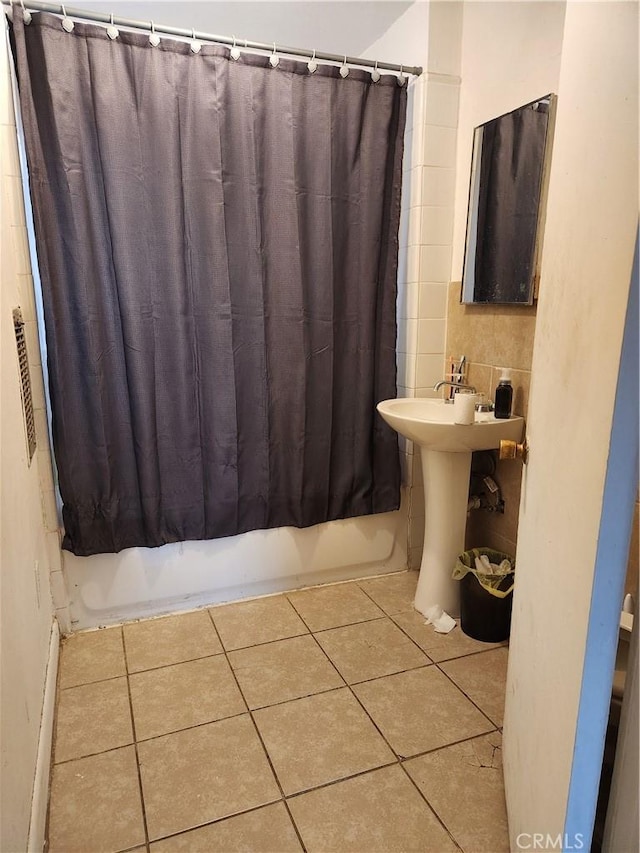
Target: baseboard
[(40, 796)]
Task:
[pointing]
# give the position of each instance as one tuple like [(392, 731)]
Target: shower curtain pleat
[(314, 233), (382, 463), (217, 243)]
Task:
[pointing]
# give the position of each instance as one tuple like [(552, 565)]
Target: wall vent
[(25, 382)]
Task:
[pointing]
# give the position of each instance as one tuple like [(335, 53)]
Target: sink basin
[(445, 450), (430, 424)]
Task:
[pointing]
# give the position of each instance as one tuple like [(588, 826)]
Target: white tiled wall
[(424, 269)]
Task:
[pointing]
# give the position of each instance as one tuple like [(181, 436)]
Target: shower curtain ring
[(112, 31), (375, 74), (26, 14), (67, 23), (195, 44), (274, 59), (401, 79), (344, 68), (312, 65), (154, 38), (235, 51)]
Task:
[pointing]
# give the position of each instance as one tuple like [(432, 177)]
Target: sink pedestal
[(446, 493), (445, 449)]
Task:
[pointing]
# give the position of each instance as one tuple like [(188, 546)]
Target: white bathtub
[(111, 588)]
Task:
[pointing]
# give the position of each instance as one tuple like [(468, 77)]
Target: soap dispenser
[(504, 396)]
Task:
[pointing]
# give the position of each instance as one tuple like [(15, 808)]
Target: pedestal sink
[(445, 451)]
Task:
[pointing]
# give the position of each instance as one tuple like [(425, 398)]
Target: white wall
[(510, 56), (585, 274), (335, 26), (26, 552), (403, 40)]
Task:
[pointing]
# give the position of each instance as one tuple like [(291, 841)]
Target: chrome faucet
[(456, 385), (483, 405)]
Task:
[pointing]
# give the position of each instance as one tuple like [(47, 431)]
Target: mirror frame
[(468, 280)]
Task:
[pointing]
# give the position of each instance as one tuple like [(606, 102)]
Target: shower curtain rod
[(114, 20)]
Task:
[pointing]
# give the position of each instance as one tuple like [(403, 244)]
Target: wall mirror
[(509, 175)]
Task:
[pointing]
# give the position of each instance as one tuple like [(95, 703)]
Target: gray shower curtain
[(217, 244)]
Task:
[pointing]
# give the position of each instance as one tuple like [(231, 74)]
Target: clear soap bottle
[(504, 396)]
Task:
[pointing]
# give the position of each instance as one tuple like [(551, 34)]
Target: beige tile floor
[(328, 719)]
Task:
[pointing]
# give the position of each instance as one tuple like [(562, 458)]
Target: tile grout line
[(430, 807), (59, 691), (443, 660), (348, 686), (166, 665), (152, 737), (334, 627), (391, 615), (431, 661), (344, 685), (330, 584), (329, 784), (396, 758), (285, 702), (298, 698), (437, 663), (89, 683), (422, 754), (62, 689), (331, 663), (475, 704), (259, 736), (412, 609), (54, 738), (204, 825), (221, 653), (333, 782), (389, 674), (399, 760), (135, 746), (241, 713), (257, 645), (294, 825), (349, 624)]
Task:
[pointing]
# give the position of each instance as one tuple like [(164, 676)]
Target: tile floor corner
[(327, 719)]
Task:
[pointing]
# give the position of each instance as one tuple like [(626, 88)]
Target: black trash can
[(485, 599)]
